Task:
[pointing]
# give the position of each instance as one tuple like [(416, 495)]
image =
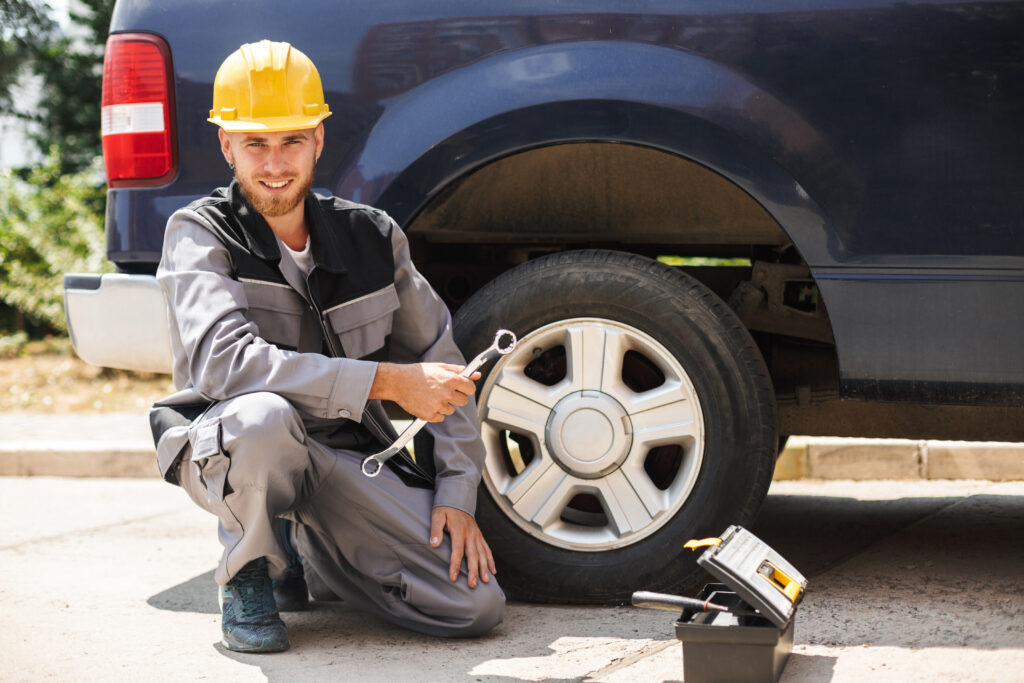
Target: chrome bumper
[(118, 321)]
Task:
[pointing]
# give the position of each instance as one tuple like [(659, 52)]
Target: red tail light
[(138, 111)]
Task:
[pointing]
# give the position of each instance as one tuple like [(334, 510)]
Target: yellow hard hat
[(268, 87)]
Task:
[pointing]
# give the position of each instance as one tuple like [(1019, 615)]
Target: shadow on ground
[(198, 594), (817, 533), (909, 573)]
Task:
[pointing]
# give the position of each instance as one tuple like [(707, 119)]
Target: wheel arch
[(432, 138), (693, 147)]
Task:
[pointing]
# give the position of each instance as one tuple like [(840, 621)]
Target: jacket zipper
[(322, 317), (369, 421), (329, 337)]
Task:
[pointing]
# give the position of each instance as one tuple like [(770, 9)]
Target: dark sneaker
[(290, 591), (249, 618)]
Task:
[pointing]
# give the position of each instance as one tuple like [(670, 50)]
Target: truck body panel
[(882, 138)]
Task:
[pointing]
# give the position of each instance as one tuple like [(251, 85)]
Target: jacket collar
[(328, 253), (259, 238)]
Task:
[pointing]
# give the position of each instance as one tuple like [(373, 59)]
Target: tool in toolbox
[(671, 603), (504, 342), (740, 629)]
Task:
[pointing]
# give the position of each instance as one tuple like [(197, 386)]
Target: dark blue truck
[(711, 224)]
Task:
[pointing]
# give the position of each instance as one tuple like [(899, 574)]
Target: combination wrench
[(504, 342)]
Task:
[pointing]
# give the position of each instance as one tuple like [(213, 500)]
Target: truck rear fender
[(650, 96)]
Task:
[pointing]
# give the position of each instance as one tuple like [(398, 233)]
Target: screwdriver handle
[(673, 603)]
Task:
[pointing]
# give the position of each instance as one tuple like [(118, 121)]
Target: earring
[(231, 166)]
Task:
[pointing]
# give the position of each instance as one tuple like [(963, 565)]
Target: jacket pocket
[(277, 311), (210, 458), (363, 324)]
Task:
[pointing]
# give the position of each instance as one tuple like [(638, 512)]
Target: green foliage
[(72, 74), (24, 28), (51, 216), (704, 261), (50, 223), (12, 344)]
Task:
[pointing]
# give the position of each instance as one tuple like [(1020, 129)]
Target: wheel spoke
[(513, 380), (667, 423), (516, 412), (653, 498), (519, 485), (616, 343), (671, 392), (585, 350), (626, 511), (542, 497)]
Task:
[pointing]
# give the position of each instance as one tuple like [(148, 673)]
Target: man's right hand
[(428, 391)]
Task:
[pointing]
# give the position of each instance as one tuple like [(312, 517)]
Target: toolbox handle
[(695, 543)]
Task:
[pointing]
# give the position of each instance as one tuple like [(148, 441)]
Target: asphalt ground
[(112, 579)]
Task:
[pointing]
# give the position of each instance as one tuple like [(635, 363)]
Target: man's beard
[(275, 205)]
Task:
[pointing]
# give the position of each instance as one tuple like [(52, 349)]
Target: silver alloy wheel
[(594, 434)]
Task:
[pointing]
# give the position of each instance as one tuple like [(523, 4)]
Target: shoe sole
[(239, 646)]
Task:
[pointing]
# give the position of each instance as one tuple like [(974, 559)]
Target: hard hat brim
[(269, 124)]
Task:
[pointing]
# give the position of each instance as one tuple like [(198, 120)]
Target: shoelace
[(250, 585)]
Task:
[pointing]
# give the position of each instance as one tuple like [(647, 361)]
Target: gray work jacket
[(244, 319)]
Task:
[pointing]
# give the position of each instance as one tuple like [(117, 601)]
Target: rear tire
[(635, 413)]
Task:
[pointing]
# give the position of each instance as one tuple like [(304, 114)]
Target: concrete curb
[(76, 445), (76, 460), (119, 445), (862, 459)]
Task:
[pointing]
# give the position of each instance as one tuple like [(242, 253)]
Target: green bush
[(12, 344), (50, 224)]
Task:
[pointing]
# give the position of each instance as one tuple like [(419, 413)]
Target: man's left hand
[(467, 540)]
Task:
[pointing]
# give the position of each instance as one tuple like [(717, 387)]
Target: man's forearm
[(387, 382)]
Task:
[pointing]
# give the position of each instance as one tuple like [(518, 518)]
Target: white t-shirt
[(303, 259)]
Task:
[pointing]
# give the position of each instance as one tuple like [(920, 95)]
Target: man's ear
[(225, 146), (318, 135)]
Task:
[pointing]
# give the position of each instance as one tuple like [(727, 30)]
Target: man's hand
[(466, 540), (428, 391)]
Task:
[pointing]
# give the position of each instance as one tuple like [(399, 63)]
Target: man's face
[(274, 170)]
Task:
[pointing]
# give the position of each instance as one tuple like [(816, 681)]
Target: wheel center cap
[(589, 434)]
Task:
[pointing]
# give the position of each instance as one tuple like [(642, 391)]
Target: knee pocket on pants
[(461, 611), (425, 584), (209, 457)]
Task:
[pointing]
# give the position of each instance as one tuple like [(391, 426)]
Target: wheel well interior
[(640, 200), (596, 192)]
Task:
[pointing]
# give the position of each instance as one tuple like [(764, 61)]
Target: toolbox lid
[(758, 574)]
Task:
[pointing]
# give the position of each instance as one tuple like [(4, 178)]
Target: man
[(292, 316)]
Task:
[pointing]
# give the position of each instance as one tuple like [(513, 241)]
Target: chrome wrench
[(504, 342)]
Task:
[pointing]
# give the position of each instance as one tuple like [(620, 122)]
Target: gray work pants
[(364, 540)]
